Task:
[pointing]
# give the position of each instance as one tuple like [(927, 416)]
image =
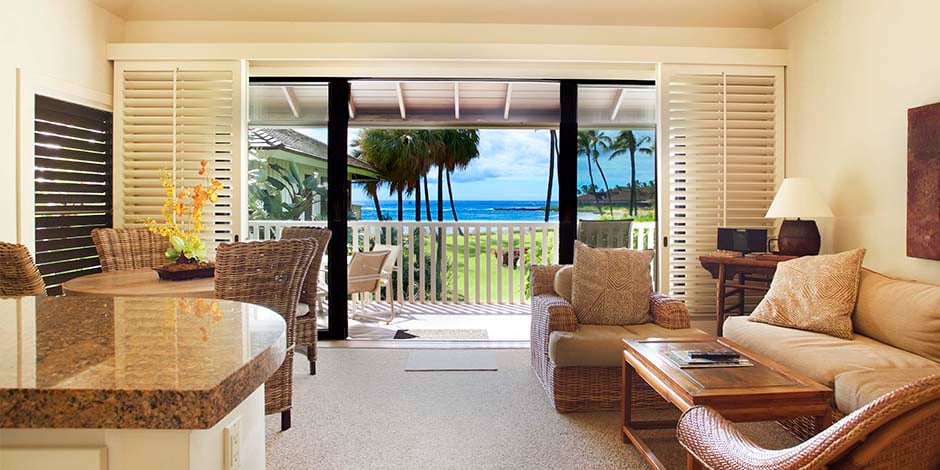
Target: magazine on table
[(683, 359)]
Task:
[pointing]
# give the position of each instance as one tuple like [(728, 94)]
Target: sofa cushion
[(814, 293), (858, 388), (611, 286), (820, 357), (904, 314), (602, 345), (562, 282)]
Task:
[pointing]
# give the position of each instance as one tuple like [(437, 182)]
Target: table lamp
[(798, 199)]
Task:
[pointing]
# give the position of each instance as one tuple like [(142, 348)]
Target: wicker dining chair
[(121, 249), (898, 430), (306, 324), (269, 274), (19, 275)]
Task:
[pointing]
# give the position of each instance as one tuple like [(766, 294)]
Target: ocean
[(472, 210)]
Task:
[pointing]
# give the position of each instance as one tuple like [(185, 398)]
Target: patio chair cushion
[(814, 293), (904, 314), (858, 388), (611, 286), (819, 356), (562, 282), (602, 345)]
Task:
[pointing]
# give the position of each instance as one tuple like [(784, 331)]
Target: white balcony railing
[(478, 262)]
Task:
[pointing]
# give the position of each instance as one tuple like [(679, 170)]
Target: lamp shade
[(798, 198)]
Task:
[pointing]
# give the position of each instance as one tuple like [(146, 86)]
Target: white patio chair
[(385, 280), (364, 275)]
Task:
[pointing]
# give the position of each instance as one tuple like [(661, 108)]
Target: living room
[(810, 128)]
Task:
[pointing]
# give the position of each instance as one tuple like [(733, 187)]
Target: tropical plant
[(401, 156), (182, 232), (627, 142), (276, 192), (590, 144)]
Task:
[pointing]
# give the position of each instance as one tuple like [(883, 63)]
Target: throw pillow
[(562, 282), (814, 293), (611, 286)]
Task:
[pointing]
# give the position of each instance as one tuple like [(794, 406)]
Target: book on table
[(683, 359)]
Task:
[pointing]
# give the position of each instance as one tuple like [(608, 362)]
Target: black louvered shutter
[(73, 188)]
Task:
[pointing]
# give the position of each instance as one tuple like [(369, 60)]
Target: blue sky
[(513, 165)]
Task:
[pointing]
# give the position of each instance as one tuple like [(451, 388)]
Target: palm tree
[(552, 151), (401, 157), (457, 148), (589, 145), (628, 142)]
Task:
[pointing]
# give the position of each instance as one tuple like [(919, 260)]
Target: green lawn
[(499, 277)]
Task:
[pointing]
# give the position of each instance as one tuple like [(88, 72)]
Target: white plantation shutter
[(723, 128), (173, 116)]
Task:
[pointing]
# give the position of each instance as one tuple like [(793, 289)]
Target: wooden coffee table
[(766, 391)]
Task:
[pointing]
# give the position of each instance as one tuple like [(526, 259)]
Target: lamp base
[(798, 238)]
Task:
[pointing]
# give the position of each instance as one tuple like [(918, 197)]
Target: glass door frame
[(568, 162), (338, 212)]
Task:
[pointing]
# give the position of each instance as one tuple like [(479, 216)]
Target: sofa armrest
[(669, 312), (550, 313), (542, 279)]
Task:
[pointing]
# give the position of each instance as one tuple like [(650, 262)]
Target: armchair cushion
[(611, 286), (602, 345)]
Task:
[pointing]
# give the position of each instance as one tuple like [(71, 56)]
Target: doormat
[(441, 334), (429, 360)]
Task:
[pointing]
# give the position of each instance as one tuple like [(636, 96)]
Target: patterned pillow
[(611, 286), (814, 293)]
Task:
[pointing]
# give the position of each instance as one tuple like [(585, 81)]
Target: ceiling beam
[(292, 101), (456, 100), (352, 106), (508, 100), (401, 99), (616, 110)]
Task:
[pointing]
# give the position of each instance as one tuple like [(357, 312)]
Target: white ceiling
[(444, 103), (707, 13)]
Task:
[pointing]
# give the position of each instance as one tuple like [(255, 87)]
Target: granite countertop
[(132, 362)]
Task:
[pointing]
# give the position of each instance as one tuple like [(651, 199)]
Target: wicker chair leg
[(285, 420), (313, 367)]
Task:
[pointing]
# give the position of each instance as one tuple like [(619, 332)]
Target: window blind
[(724, 131), (72, 164), (173, 118)]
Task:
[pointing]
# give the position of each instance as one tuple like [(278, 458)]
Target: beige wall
[(298, 32), (856, 66), (62, 40)]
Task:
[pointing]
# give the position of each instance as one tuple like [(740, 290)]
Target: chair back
[(122, 249), (394, 252), (308, 293), (365, 271), (19, 275), (606, 233), (270, 274)]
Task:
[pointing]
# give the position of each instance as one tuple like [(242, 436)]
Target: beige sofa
[(580, 365), (897, 341)]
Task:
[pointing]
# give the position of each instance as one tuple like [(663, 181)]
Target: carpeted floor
[(363, 411)]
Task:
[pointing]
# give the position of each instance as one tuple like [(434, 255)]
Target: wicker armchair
[(584, 388), (899, 430), (306, 326), (18, 273), (122, 249), (270, 274)]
